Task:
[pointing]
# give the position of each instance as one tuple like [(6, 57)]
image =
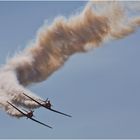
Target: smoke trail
[(11, 90), (55, 43)]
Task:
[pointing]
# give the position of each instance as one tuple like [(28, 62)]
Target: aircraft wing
[(33, 99), (28, 117), (46, 107), (17, 109), (40, 122), (59, 112)]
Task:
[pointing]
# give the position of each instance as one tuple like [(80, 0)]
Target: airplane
[(28, 115), (46, 105)]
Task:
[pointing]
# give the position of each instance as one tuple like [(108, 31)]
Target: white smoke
[(54, 44)]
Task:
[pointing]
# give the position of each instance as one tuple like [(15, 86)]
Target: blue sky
[(100, 89)]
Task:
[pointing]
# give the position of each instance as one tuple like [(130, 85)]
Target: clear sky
[(100, 89)]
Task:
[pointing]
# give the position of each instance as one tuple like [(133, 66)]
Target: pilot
[(30, 114), (48, 104)]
